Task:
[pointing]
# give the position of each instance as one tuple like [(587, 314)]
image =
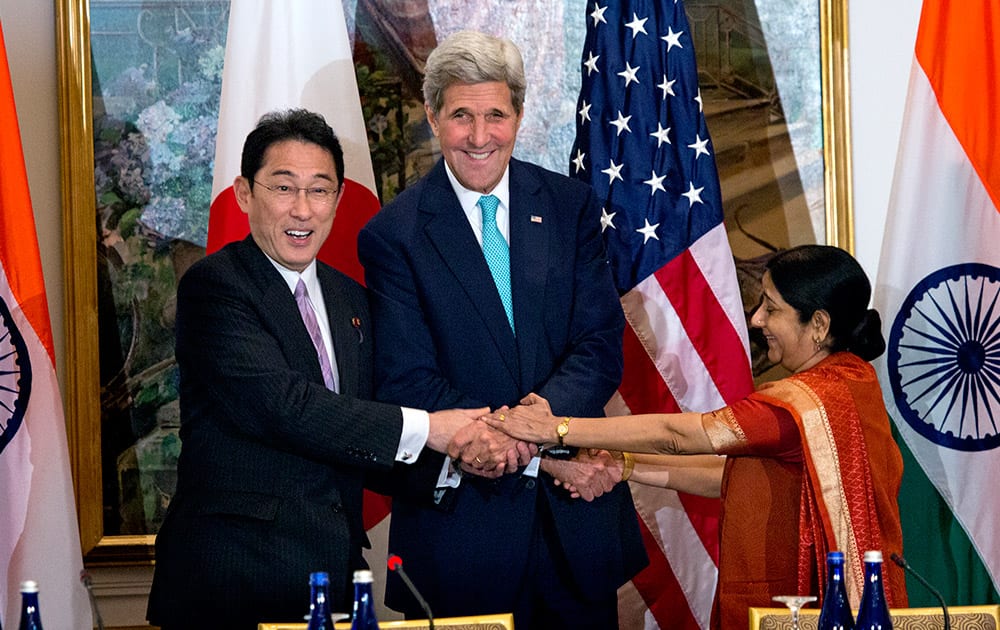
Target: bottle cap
[(363, 576), (873, 556), (835, 556), (319, 578), (29, 586)]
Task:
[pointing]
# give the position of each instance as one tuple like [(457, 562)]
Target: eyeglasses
[(314, 194)]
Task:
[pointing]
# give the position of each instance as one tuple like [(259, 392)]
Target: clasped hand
[(482, 450), (590, 474)]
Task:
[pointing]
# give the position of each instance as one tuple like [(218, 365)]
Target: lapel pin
[(536, 219), (356, 322)]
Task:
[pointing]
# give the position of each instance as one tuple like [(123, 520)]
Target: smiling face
[(477, 127), (290, 230), (789, 342)]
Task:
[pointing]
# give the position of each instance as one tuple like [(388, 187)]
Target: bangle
[(628, 466)]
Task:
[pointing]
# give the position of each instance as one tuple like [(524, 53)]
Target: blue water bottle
[(836, 611), (319, 602), (874, 611), (30, 618), (364, 603)]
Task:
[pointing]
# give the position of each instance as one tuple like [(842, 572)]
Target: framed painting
[(139, 86)]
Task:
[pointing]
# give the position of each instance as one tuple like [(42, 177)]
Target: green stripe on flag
[(935, 545)]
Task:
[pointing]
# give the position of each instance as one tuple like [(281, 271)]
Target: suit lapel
[(529, 259), (449, 231), (278, 308), (345, 333)]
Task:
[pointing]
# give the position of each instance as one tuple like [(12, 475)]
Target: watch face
[(15, 376), (562, 430)]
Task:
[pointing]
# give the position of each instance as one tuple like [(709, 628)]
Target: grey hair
[(470, 57)]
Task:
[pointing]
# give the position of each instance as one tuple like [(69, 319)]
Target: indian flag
[(938, 291), (39, 535)]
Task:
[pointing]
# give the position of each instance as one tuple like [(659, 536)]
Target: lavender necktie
[(309, 318)]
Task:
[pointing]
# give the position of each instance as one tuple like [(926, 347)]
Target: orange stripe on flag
[(956, 47), (18, 241)]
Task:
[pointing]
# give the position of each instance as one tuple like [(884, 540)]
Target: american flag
[(643, 143)]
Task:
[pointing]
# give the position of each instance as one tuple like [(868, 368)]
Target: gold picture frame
[(82, 387)]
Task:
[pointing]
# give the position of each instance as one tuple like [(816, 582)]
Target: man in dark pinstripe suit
[(274, 460)]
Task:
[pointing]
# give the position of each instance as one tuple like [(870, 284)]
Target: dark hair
[(292, 124), (824, 278)]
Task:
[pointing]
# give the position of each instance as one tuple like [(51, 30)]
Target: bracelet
[(628, 466), (563, 430)]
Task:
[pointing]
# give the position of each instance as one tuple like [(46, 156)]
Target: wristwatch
[(563, 429)]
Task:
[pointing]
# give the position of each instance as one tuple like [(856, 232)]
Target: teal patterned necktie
[(497, 253)]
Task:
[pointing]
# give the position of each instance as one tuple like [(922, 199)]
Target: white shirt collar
[(470, 198), (291, 277)]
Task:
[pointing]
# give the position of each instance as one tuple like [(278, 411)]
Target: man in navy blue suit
[(488, 281)]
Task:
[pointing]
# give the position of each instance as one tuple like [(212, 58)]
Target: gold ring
[(503, 418), (478, 461)]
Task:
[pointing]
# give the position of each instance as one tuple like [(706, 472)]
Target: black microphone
[(898, 559), (396, 564)]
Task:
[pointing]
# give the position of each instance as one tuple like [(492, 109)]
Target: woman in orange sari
[(810, 466)]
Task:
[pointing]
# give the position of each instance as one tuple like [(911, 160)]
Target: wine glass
[(794, 603)]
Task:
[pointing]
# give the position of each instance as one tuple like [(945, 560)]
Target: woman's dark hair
[(292, 124), (824, 278)]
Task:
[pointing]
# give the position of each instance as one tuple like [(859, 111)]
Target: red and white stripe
[(686, 349)]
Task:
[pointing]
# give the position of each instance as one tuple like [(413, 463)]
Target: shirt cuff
[(416, 428), (450, 476), (531, 470)]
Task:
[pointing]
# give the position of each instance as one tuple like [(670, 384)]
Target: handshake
[(481, 443)]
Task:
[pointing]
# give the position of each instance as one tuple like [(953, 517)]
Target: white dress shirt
[(469, 199)]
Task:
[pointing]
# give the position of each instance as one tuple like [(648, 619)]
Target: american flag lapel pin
[(536, 219)]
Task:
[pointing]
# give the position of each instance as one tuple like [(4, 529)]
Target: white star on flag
[(694, 194), (607, 219), (637, 26), (622, 123), (648, 231), (700, 146), (661, 134), (613, 172), (667, 87), (672, 38), (655, 182), (629, 74)]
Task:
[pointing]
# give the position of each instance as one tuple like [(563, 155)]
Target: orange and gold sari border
[(723, 431), (820, 452)]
